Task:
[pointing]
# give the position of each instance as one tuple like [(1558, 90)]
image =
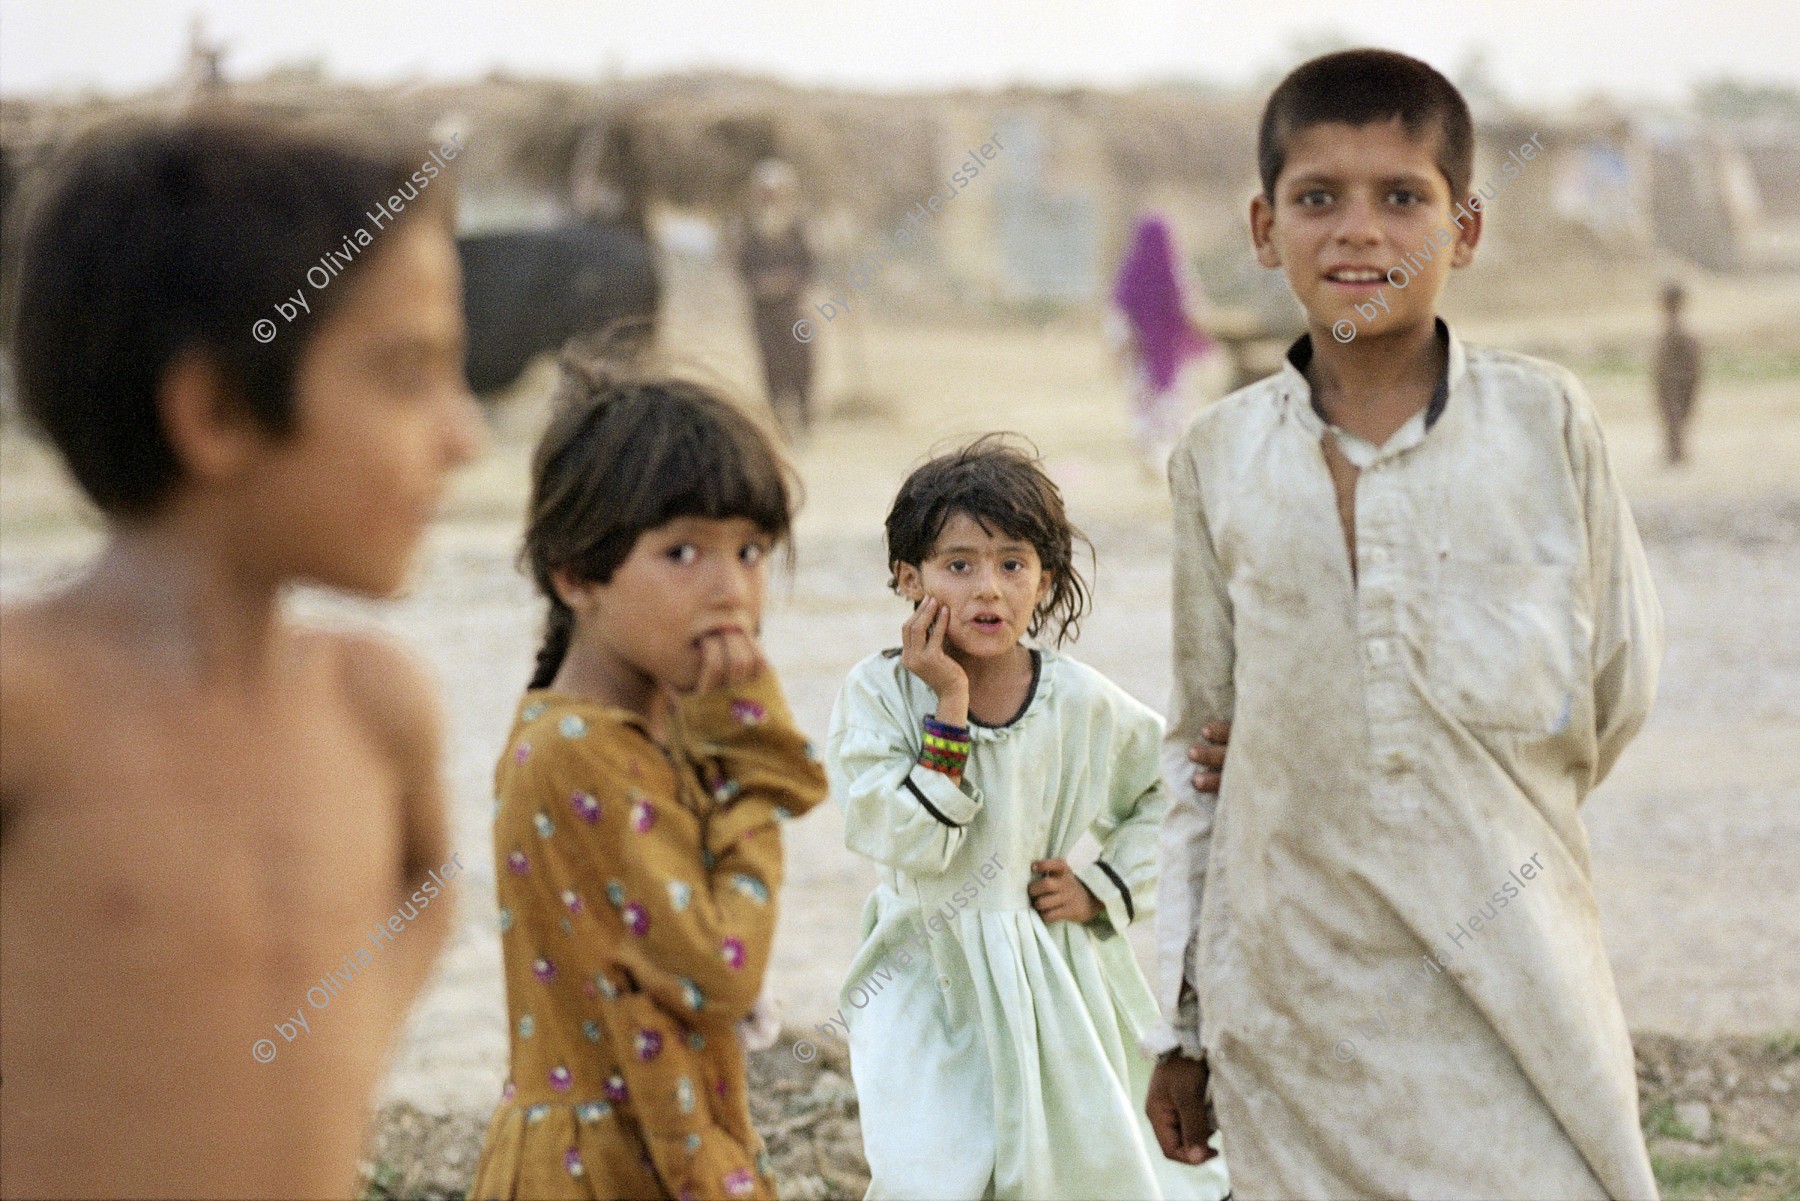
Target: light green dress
[(995, 1055)]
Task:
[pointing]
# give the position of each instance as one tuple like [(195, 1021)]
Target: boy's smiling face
[(1352, 203)]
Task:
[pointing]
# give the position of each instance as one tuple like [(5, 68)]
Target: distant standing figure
[(777, 265), (1174, 365), (1677, 373)]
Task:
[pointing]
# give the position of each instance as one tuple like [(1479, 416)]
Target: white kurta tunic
[(1387, 911), (994, 1053)]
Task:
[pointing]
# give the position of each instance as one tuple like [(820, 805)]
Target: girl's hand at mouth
[(728, 658)]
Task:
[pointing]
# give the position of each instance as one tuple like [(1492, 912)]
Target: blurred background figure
[(777, 265), (1174, 367), (203, 79), (589, 277), (1677, 374)]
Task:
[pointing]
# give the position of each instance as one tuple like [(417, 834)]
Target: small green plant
[(1735, 1167), (1785, 1045), (383, 1182), (1661, 1122)]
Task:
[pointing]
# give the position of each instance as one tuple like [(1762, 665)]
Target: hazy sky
[(1538, 50)]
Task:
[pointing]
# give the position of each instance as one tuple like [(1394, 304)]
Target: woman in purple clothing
[(1174, 366)]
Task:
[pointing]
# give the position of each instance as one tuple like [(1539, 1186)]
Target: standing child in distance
[(998, 1059), (640, 797), (203, 804), (1677, 375), (1405, 572)]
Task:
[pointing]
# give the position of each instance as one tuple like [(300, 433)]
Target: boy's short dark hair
[(148, 239), (1001, 486), (1363, 87)]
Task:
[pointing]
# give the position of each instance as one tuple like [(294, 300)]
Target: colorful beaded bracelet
[(946, 748)]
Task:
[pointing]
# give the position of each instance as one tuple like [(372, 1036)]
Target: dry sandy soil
[(1695, 838)]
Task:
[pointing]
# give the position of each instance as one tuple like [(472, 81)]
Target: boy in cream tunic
[(1406, 574)]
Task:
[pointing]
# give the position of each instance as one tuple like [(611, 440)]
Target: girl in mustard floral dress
[(640, 797)]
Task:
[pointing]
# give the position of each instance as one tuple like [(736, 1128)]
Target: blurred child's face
[(1352, 204), (683, 580), (383, 414), (988, 581)]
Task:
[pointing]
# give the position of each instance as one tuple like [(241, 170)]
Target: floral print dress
[(637, 891)]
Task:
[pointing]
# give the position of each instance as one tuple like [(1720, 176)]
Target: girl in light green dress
[(995, 1007)]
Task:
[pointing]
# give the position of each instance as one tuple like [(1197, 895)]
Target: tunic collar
[(538, 701), (1297, 396), (1043, 687)]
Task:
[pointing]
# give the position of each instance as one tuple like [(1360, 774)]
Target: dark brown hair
[(1364, 87), (625, 452), (148, 239), (1000, 486)]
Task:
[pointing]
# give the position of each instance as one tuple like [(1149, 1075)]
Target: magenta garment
[(1149, 295)]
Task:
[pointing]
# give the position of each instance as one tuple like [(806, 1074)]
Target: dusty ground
[(1721, 1115), (1694, 838)]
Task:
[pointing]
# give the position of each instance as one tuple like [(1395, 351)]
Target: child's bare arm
[(1628, 624), (399, 700), (27, 683), (15, 714)]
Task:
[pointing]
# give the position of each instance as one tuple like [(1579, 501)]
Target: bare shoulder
[(53, 671), (27, 635), (28, 688), (42, 652), (388, 689)]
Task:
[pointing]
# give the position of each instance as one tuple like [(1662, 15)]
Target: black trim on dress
[(929, 807), (1130, 909), (1037, 670)]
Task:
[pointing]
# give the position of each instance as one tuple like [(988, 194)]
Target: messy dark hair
[(147, 239), (627, 451), (1002, 486), (1365, 87)]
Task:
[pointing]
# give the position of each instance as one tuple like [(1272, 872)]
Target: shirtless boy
[(206, 809)]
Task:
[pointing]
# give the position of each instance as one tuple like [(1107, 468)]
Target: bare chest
[(1343, 484), (258, 845)]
